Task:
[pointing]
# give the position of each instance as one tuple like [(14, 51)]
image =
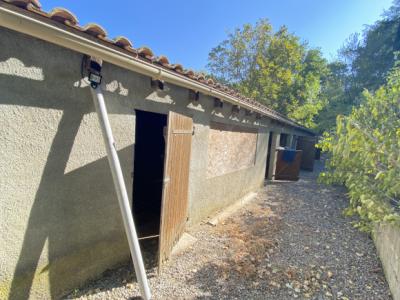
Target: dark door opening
[(268, 153), (283, 140), (148, 172)]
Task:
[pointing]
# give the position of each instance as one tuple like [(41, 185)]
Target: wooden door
[(307, 144), (174, 205)]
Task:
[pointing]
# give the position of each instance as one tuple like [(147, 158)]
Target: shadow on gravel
[(250, 238), (293, 242)]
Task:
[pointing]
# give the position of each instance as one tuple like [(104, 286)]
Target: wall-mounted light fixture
[(92, 67), (194, 96), (218, 103), (248, 112), (235, 109), (157, 84)]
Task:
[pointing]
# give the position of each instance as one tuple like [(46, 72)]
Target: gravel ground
[(292, 242)]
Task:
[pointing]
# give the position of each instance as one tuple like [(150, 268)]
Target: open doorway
[(283, 140), (148, 172), (160, 197), (268, 153)]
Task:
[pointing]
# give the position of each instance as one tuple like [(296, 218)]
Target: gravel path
[(292, 242)]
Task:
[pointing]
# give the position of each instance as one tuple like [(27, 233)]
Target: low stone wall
[(387, 241)]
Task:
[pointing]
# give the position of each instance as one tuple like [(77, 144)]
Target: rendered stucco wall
[(59, 218), (387, 242), (211, 194), (230, 148)]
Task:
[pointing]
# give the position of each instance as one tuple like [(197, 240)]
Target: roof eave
[(34, 25)]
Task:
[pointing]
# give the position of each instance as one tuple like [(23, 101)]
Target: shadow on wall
[(71, 211), (74, 213), (76, 210)]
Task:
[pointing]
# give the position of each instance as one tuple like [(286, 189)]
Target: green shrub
[(364, 155)]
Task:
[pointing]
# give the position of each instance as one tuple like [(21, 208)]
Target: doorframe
[(273, 155), (133, 170)]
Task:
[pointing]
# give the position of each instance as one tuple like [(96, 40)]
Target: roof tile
[(123, 42), (95, 30), (177, 68), (200, 77), (145, 52), (63, 16), (162, 60), (25, 3), (189, 73)]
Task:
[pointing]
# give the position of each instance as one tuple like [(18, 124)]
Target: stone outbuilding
[(188, 147)]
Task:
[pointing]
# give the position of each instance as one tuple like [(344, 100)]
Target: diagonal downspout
[(122, 194)]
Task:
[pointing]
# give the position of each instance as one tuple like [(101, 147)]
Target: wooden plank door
[(174, 205), (307, 144)]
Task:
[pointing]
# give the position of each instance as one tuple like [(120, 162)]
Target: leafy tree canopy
[(364, 62), (281, 71), (276, 68)]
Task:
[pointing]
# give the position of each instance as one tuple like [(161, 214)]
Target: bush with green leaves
[(364, 155)]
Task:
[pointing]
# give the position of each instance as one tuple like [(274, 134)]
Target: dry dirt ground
[(291, 242)]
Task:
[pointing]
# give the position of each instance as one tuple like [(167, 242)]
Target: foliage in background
[(281, 71), (364, 62), (334, 90), (364, 150), (275, 68), (365, 154), (370, 57)]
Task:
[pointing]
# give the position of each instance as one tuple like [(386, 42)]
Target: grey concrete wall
[(207, 195), (59, 220), (387, 242), (274, 155)]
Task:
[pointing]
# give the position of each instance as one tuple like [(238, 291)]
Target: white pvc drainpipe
[(122, 194)]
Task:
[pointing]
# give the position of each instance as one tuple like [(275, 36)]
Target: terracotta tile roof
[(67, 18)]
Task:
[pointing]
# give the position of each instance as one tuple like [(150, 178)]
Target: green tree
[(372, 55), (311, 98), (364, 62), (336, 93), (275, 68)]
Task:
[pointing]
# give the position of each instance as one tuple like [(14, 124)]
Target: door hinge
[(166, 180)]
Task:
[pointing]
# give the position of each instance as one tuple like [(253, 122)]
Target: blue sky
[(185, 30)]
